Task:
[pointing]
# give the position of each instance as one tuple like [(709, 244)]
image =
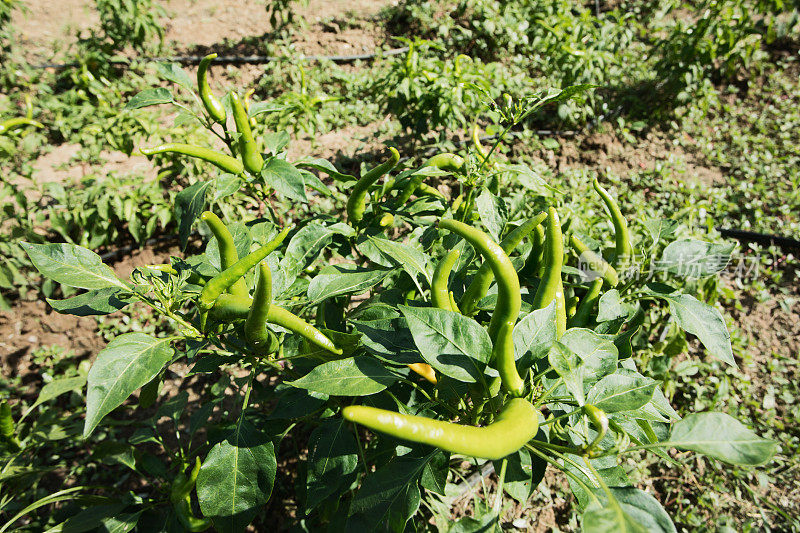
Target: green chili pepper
[(258, 335), (508, 303), (357, 202), (513, 427), (227, 249), (386, 220), (551, 287), (600, 421), (229, 307), (428, 190), (411, 187), (7, 430), (537, 253), (220, 160), (622, 237), (214, 107), (571, 306), (18, 122), (181, 498), (446, 161), (581, 317), (248, 149), (225, 279), (595, 261), (440, 295), (479, 286)]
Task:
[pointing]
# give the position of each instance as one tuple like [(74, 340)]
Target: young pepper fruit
[(213, 107), (516, 424)]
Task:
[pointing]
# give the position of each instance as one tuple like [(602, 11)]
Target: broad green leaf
[(659, 228), (610, 518), (722, 437), (236, 478), (226, 185), (703, 321), (411, 259), (332, 460), (388, 497), (493, 213), (599, 355), (389, 339), (695, 259), (285, 179), (121, 523), (354, 376), (57, 388), (89, 519), (257, 108), (534, 335), (569, 366), (189, 203), (95, 302), (334, 280), (148, 97), (530, 179), (434, 475), (72, 265), (323, 165), (643, 509), (612, 476), (127, 363), (621, 392), (453, 344), (611, 307), (524, 472), (174, 73)]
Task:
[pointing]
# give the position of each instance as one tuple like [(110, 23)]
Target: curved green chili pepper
[(229, 307), (429, 190), (440, 295), (214, 107), (600, 421), (479, 286), (287, 319), (228, 255), (181, 498), (446, 161), (225, 279), (248, 149), (508, 303), (258, 335), (409, 189), (18, 122), (581, 316), (571, 306), (386, 220), (220, 160), (622, 237), (7, 430), (357, 202), (513, 427), (551, 287), (595, 261)]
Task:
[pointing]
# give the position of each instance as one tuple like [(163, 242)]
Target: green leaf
[(534, 335), (236, 478), (411, 259), (127, 363), (722, 437), (434, 475), (89, 519), (530, 179), (598, 355), (95, 302), (621, 392), (57, 388), (523, 474), (694, 259), (332, 460), (148, 97), (72, 265), (389, 340), (334, 280), (354, 376), (285, 179), (453, 344), (189, 203), (643, 509), (389, 497), (609, 519), (174, 72), (703, 321), (569, 366), (611, 306), (323, 165), (493, 213)]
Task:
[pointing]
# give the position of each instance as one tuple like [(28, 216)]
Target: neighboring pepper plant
[(442, 330)]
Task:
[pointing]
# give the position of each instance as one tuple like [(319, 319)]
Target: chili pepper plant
[(383, 334)]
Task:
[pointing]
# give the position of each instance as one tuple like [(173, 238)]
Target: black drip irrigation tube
[(237, 60), (763, 239)]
